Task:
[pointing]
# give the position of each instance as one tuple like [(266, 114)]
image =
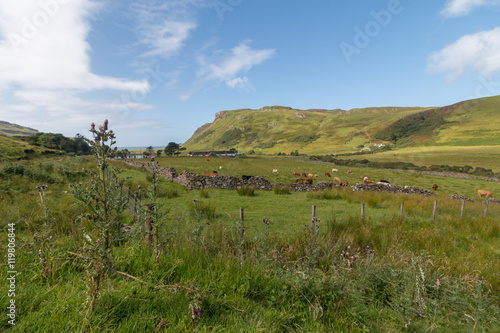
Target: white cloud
[(240, 59), (240, 84), (164, 26), (479, 51), (455, 8), (46, 68)]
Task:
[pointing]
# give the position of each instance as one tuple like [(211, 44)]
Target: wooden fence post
[(462, 209), (148, 225), (242, 215), (434, 210), (486, 207), (313, 214), (363, 211), (401, 210)]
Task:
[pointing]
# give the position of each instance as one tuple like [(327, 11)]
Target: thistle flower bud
[(92, 127), (106, 125), (139, 187)]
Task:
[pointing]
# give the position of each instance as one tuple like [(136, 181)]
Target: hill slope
[(283, 129), (9, 129)]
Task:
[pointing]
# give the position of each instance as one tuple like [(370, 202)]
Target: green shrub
[(203, 193), (281, 189), (203, 209), (246, 190), (324, 195)]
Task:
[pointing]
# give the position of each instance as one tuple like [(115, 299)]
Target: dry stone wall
[(393, 189), (193, 181)]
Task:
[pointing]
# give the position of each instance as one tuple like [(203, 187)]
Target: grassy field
[(276, 272), (487, 157), (11, 149)]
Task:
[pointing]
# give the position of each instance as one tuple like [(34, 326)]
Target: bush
[(203, 210), (281, 189), (246, 190)]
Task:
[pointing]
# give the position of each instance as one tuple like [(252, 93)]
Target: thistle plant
[(99, 197), (104, 208)]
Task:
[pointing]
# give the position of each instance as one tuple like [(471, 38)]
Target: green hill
[(13, 148), (9, 129), (283, 129)]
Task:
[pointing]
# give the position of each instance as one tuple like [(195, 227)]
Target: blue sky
[(160, 69)]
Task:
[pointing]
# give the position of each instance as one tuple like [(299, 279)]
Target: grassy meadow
[(483, 156), (277, 271)]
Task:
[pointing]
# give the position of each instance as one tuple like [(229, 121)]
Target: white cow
[(275, 170), (335, 170)]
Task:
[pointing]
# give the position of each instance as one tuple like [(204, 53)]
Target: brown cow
[(304, 180), (295, 173), (349, 171), (310, 175), (369, 182), (488, 194), (327, 174), (304, 175), (336, 179), (344, 183), (211, 174), (362, 177), (434, 187)]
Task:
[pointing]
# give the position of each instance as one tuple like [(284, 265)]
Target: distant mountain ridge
[(10, 129), (273, 129)]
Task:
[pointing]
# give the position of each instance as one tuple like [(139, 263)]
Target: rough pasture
[(257, 166)]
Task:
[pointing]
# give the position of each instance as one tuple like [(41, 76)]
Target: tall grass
[(214, 273)]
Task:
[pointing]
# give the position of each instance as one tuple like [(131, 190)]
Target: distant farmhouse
[(134, 156), (228, 153)]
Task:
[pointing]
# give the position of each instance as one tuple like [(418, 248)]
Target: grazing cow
[(315, 176), (344, 183), (335, 170), (304, 180), (327, 174), (488, 194), (211, 174), (369, 182), (337, 179), (363, 177), (295, 173), (310, 175), (304, 175), (349, 171), (384, 182), (275, 170), (434, 187), (245, 177)]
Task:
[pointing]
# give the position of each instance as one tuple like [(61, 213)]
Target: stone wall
[(193, 181), (393, 189)]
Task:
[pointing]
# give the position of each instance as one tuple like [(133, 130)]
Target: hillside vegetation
[(270, 130), (283, 129), (9, 129)]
